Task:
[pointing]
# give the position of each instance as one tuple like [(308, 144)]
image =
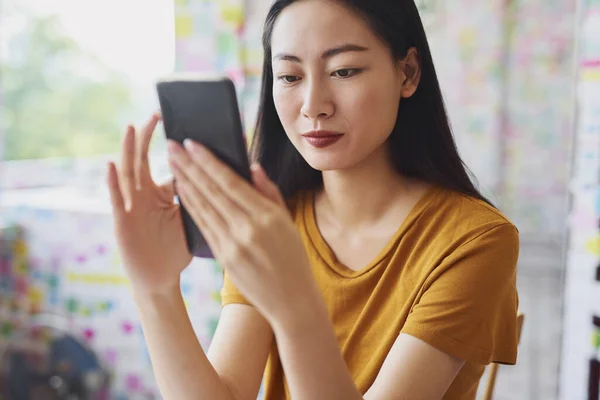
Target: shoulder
[(469, 247), (463, 220)]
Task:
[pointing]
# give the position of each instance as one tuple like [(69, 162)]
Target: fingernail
[(255, 167), (195, 147), (188, 144)]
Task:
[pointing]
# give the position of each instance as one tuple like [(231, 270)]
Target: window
[(74, 73)]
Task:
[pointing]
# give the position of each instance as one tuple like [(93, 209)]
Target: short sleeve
[(230, 294), (469, 304)]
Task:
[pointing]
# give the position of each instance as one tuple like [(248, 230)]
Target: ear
[(410, 70)]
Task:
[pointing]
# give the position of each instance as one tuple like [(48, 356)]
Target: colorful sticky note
[(101, 249), (72, 305), (20, 267), (105, 306), (183, 26), (36, 296), (89, 334), (186, 288), (591, 75), (593, 245), (6, 329), (216, 296), (53, 299), (4, 267), (226, 43), (236, 74), (35, 262), (217, 268), (20, 248), (127, 327), (55, 263), (53, 281), (232, 14), (133, 383), (97, 279), (111, 356), (21, 286)]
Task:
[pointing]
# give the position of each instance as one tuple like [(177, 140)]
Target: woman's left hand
[(250, 231)]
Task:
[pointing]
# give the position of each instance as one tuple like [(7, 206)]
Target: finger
[(211, 225), (166, 191), (168, 188), (265, 185), (142, 164), (211, 192), (233, 185), (127, 173), (116, 197)]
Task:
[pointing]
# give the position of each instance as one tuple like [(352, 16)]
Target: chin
[(325, 163)]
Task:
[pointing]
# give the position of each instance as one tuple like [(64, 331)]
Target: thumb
[(265, 185)]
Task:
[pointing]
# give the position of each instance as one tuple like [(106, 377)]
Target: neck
[(363, 194)]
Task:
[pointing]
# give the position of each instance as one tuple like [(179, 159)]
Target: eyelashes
[(343, 73)]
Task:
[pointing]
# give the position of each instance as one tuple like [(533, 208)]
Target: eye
[(288, 78), (346, 72)]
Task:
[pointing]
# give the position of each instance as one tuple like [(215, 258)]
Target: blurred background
[(521, 79)]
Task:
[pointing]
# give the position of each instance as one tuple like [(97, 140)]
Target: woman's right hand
[(147, 220)]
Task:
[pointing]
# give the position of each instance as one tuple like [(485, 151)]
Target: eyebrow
[(345, 48)]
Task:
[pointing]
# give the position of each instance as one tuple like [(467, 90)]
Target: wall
[(580, 369)]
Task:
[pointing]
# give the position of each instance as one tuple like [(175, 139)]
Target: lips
[(321, 139)]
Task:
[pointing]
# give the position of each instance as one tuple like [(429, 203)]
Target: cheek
[(285, 104), (373, 109)]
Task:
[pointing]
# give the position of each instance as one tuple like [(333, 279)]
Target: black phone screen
[(206, 111)]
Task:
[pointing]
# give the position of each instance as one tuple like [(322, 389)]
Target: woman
[(363, 263)]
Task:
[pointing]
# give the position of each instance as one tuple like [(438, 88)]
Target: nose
[(318, 103)]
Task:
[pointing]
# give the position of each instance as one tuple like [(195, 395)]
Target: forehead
[(310, 26)]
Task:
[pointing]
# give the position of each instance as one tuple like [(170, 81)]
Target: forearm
[(311, 357), (181, 368)]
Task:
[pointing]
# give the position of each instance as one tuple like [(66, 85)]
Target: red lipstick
[(321, 139)]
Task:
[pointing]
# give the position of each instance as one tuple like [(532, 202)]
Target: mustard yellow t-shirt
[(447, 277)]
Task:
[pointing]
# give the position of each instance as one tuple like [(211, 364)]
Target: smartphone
[(205, 109)]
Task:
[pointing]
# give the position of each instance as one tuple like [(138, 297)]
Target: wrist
[(167, 294)]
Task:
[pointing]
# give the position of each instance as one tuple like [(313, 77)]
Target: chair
[(493, 372)]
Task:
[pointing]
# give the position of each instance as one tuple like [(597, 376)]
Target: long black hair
[(421, 143)]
